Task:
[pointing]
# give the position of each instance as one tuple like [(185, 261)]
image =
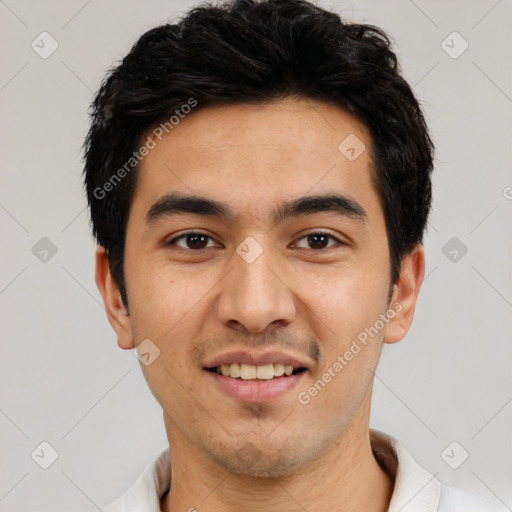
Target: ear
[(405, 294), (116, 312)]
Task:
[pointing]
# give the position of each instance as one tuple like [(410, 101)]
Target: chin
[(264, 470), (250, 461)]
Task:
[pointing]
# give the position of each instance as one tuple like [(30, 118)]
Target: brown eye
[(192, 241), (320, 240)]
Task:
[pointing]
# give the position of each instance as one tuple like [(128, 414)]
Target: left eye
[(319, 240)]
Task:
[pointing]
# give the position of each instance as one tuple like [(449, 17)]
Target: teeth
[(249, 371), (235, 370), (278, 370), (265, 372)]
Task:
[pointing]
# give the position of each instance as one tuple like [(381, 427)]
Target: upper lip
[(253, 358)]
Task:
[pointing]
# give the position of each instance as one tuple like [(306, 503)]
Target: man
[(259, 182)]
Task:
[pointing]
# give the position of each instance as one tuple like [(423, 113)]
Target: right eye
[(193, 241)]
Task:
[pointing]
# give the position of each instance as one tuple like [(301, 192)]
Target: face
[(248, 270)]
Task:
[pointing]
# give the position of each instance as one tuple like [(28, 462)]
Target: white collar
[(416, 490)]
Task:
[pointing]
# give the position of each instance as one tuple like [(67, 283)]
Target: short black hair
[(255, 52)]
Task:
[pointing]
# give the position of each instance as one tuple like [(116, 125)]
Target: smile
[(248, 387), (252, 372)]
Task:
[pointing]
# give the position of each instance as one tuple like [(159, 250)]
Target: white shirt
[(416, 490)]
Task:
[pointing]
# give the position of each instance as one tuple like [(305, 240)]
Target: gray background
[(63, 378)]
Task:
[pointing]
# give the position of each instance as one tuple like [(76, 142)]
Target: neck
[(345, 478)]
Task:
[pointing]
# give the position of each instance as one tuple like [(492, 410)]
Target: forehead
[(252, 156)]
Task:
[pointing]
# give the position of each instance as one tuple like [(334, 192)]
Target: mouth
[(264, 372), (257, 377), (262, 384)]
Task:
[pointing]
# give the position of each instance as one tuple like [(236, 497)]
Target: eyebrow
[(176, 203)]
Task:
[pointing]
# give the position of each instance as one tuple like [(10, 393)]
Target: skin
[(298, 295)]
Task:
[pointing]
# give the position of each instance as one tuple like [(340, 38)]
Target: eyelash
[(199, 251)]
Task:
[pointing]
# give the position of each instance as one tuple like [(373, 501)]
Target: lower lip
[(256, 391)]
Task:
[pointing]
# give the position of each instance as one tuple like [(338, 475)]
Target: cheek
[(170, 307), (346, 306), (345, 310), (348, 298), (164, 311), (159, 298)]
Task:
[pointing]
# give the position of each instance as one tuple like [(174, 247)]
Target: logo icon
[(454, 45), (44, 455), (351, 147), (454, 455), (249, 455), (44, 45), (454, 249), (44, 250), (146, 352), (249, 249)]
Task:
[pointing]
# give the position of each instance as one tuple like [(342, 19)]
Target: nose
[(255, 296)]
